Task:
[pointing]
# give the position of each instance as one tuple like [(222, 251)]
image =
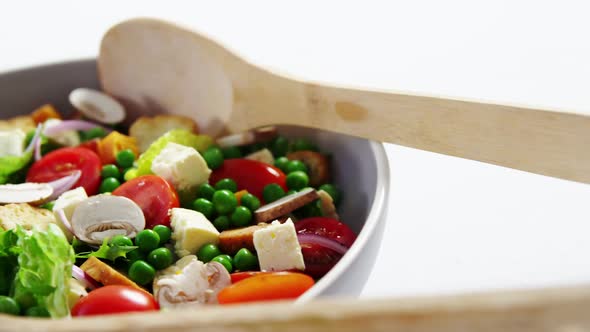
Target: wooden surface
[(558, 310), (158, 67)]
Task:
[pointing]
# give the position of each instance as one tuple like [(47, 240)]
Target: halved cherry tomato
[(65, 161), (318, 259), (154, 195), (239, 276), (250, 175), (114, 299), (266, 287)]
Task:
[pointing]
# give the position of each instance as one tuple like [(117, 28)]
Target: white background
[(453, 225)]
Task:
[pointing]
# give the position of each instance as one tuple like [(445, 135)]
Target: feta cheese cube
[(191, 230), (278, 248), (182, 166), (12, 142), (68, 201)]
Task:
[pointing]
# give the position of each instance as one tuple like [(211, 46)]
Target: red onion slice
[(322, 241), (36, 138), (64, 184), (72, 125), (84, 278), (61, 215), (38, 148)]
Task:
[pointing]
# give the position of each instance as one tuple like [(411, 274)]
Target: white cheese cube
[(181, 165), (66, 137), (68, 201), (191, 230), (12, 142), (278, 248)]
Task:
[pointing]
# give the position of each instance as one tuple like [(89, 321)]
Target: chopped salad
[(100, 218)]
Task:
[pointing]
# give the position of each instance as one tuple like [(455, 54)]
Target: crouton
[(231, 241), (25, 215), (106, 275), (148, 129), (23, 122), (318, 164)]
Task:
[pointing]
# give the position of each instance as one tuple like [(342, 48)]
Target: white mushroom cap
[(103, 216), (27, 192), (97, 106)]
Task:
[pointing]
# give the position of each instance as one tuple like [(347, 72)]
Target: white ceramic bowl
[(360, 166)]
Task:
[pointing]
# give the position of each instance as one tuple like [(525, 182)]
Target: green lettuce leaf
[(179, 136), (45, 267), (10, 165), (106, 251)]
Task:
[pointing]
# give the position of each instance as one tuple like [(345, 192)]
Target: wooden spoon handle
[(544, 142)]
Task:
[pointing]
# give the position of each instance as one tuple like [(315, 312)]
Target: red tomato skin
[(250, 175), (63, 162), (318, 259), (266, 287), (114, 299), (154, 195)]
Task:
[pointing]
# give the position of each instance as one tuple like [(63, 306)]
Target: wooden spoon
[(154, 66)]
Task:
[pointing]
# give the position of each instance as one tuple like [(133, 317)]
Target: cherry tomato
[(250, 175), (266, 287), (239, 276), (154, 195), (65, 161), (318, 259), (114, 299)]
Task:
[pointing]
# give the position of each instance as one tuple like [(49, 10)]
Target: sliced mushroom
[(190, 282), (327, 205), (97, 105), (318, 164), (103, 216), (231, 241), (264, 156), (262, 134), (285, 205), (28, 192)]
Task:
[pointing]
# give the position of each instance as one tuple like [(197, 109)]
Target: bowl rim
[(376, 215)]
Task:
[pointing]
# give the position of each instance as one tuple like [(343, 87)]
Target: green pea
[(333, 191), (164, 232), (49, 205), (225, 260), (9, 306), (302, 144), (141, 272), (205, 191), (279, 146), (147, 240), (311, 210), (207, 252), (110, 171), (204, 206), (296, 165), (108, 185), (135, 255), (272, 192), (228, 184), (241, 217), (37, 312), (213, 157), (96, 132), (297, 180), (160, 258), (231, 152), (130, 174), (221, 223), (224, 201), (121, 240), (250, 201), (125, 158), (281, 163), (245, 260), (291, 192)]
